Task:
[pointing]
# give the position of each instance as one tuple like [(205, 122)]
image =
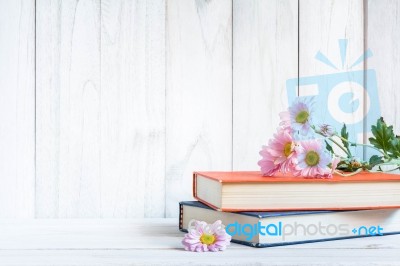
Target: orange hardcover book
[(250, 191)]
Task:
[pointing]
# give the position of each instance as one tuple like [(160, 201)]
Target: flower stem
[(351, 174), (391, 162), (334, 141), (391, 170), (340, 146), (365, 145), (385, 171)]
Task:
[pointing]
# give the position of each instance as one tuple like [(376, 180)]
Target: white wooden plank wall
[(17, 108), (321, 24), (68, 105), (264, 57), (108, 109), (383, 38), (132, 130), (101, 92), (199, 93)]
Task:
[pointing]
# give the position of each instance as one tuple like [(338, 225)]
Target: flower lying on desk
[(295, 149), (206, 237)]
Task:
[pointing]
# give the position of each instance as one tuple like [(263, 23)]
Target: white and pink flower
[(313, 160), (206, 237), (292, 151), (301, 115)]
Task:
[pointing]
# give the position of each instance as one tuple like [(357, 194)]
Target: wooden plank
[(264, 57), (68, 109), (96, 234), (199, 93), (133, 108), (249, 256), (321, 25), (158, 242), (90, 234), (383, 36), (17, 108), (106, 143)]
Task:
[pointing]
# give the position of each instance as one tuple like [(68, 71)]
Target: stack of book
[(281, 210)]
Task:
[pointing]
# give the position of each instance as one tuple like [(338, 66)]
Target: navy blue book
[(267, 229)]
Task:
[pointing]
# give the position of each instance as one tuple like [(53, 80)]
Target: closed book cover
[(250, 191), (267, 229)]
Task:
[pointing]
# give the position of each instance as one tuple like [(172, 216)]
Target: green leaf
[(395, 147), (383, 135), (345, 135), (375, 160), (329, 147)]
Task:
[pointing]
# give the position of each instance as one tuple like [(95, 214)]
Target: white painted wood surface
[(321, 25), (199, 93), (133, 96), (68, 106), (157, 242), (17, 108), (264, 57), (383, 37), (100, 120), (132, 161)]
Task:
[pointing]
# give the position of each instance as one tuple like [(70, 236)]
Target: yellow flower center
[(287, 149), (312, 158), (207, 239), (302, 117)]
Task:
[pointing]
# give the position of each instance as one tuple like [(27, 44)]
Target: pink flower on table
[(206, 237), (313, 160), (279, 155)]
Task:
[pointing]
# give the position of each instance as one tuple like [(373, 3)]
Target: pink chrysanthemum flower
[(206, 237), (313, 160), (300, 115), (279, 155)]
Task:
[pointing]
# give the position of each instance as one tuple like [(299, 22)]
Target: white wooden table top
[(157, 242)]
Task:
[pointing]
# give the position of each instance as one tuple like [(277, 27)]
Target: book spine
[(194, 185), (180, 216)]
